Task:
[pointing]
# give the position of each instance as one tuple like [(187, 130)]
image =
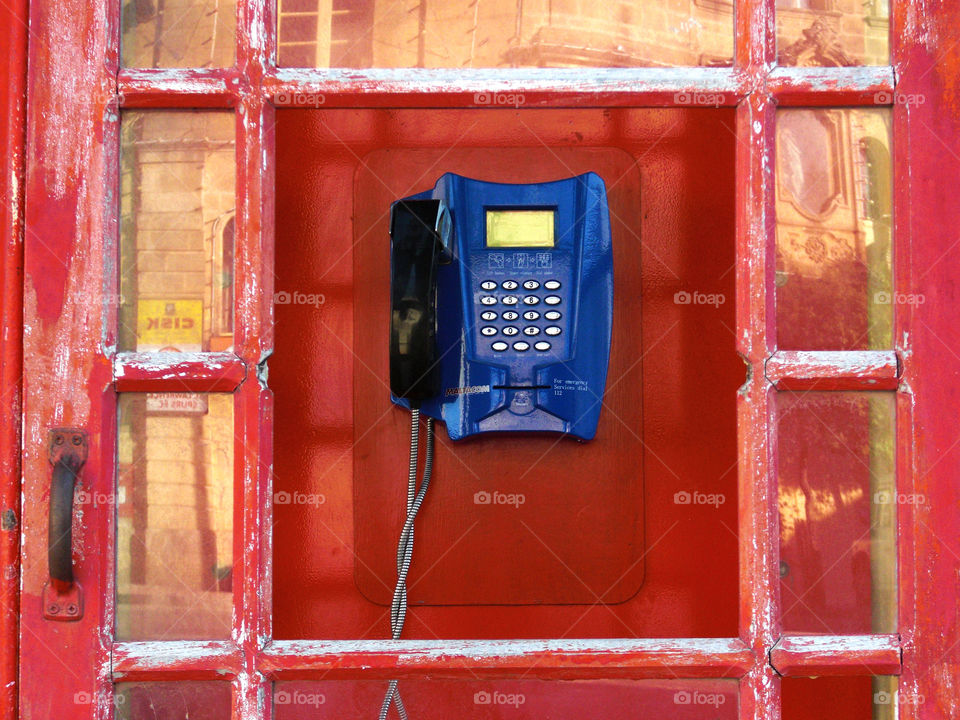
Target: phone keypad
[(532, 330)]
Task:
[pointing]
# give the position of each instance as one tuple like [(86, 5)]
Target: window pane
[(833, 32), (511, 699), (838, 502), (177, 231), (174, 516), (850, 698), (178, 33), (504, 33), (833, 200), (196, 700)]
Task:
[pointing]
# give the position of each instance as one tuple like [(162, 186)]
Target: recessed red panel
[(509, 519), (633, 533)]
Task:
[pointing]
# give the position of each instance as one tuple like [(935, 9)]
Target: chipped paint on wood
[(815, 655), (829, 370), (177, 372), (13, 38)]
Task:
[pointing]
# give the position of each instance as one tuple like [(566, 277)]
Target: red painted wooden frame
[(72, 231), (13, 77)]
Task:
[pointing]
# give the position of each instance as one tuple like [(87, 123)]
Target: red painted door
[(207, 486)]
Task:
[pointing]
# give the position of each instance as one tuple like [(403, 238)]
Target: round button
[(552, 315), (531, 300), (509, 285), (553, 330), (552, 284), (552, 300), (521, 346), (488, 300), (509, 300), (499, 346), (531, 285), (488, 331), (531, 330), (510, 315), (510, 330), (542, 346), (488, 285), (531, 315), (488, 315)]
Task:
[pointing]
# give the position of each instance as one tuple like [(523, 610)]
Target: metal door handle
[(62, 598)]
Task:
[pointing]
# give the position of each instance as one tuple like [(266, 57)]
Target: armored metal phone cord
[(398, 607)]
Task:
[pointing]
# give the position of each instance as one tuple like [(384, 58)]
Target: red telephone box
[(204, 475)]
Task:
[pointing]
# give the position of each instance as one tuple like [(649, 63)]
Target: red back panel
[(341, 447)]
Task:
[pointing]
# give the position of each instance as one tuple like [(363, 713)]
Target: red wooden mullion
[(181, 660), (844, 370), (758, 534), (181, 87), (177, 372), (562, 87), (472, 659), (923, 622), (819, 655), (253, 339), (831, 86)]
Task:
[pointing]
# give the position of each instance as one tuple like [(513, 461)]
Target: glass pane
[(178, 33), (504, 33), (850, 698), (174, 516), (833, 32), (511, 699), (193, 700), (833, 200), (837, 501), (177, 230)]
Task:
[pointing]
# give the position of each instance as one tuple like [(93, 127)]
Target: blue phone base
[(523, 329)]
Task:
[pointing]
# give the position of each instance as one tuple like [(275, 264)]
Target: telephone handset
[(420, 237), (501, 304)]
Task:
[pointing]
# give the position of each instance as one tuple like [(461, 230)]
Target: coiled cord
[(398, 607)]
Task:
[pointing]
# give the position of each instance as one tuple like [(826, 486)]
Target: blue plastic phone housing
[(556, 323)]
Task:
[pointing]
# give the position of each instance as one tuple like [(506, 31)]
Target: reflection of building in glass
[(833, 195), (832, 32), (566, 33), (178, 33), (177, 231), (175, 516)]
